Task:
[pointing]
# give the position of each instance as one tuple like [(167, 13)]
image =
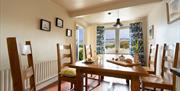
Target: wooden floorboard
[(118, 85)]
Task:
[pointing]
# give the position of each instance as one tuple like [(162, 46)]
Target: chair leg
[(59, 84), (99, 80), (102, 78), (72, 85), (143, 89), (86, 82), (91, 75)]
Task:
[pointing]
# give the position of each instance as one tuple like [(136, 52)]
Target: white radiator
[(44, 71)]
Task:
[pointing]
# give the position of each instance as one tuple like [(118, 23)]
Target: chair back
[(153, 52), (19, 77), (64, 51), (170, 61), (88, 51)]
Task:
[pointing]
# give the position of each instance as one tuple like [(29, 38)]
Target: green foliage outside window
[(80, 52), (124, 44), (81, 55), (80, 46), (110, 46)]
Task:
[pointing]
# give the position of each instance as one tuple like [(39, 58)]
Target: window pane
[(110, 41), (124, 40)]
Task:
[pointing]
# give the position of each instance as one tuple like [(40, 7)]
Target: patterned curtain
[(100, 40), (136, 41)]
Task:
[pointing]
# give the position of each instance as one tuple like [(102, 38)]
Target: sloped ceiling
[(84, 7)]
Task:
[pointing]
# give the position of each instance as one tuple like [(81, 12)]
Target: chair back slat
[(15, 64), (88, 51), (66, 55), (58, 58), (67, 46), (28, 73), (163, 59)]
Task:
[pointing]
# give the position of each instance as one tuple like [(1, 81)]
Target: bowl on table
[(89, 60)]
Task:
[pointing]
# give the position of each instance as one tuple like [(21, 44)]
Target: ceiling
[(84, 7), (125, 14), (73, 5)]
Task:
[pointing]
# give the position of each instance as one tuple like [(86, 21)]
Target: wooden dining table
[(104, 68)]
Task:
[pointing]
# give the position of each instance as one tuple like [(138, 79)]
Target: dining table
[(104, 68)]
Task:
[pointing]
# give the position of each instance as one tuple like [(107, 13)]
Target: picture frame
[(151, 32), (45, 25), (173, 10), (59, 22), (68, 32)]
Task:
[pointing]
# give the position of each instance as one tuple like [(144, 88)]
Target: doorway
[(79, 42)]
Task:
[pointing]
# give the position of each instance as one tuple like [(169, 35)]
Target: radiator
[(44, 71)]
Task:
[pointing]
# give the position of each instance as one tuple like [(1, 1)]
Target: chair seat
[(149, 70), (68, 72), (156, 81)]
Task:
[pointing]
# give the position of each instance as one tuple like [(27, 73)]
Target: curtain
[(100, 40), (136, 41)]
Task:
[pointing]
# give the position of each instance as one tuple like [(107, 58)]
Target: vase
[(136, 58)]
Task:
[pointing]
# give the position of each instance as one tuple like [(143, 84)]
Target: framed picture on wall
[(173, 10), (151, 32), (68, 32), (45, 25), (59, 22)]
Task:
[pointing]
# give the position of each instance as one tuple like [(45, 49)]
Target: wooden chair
[(151, 67), (88, 54), (61, 76), (88, 51), (167, 80), (19, 77)]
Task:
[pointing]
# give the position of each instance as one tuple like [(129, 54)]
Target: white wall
[(20, 18), (169, 33), (164, 32), (0, 28)]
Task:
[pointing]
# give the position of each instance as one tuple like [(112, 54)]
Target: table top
[(102, 65)]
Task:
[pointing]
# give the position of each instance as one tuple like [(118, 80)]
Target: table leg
[(102, 78), (79, 81), (127, 81), (135, 84)]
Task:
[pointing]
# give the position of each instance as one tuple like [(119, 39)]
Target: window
[(110, 41), (117, 41)]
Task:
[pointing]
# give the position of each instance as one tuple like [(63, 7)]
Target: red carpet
[(117, 86)]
